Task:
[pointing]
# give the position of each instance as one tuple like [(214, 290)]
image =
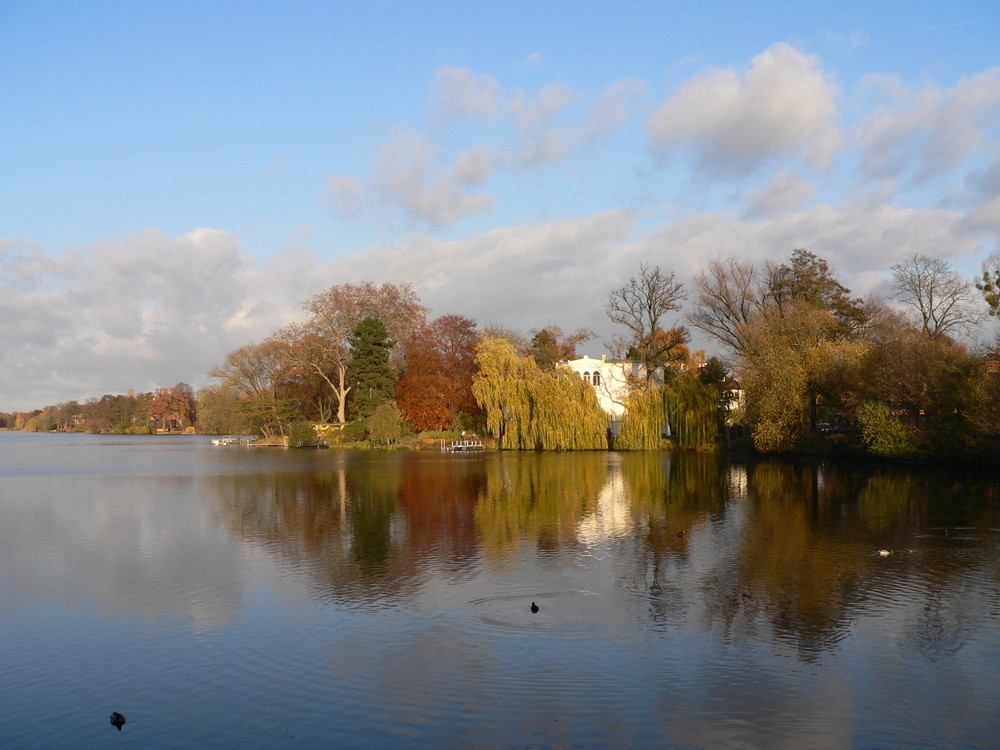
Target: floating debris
[(884, 552)]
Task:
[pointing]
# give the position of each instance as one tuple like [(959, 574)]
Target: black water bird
[(534, 607), (117, 720), (680, 534)]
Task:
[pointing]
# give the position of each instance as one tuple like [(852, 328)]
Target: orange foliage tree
[(436, 387)]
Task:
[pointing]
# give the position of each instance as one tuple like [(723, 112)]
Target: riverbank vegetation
[(801, 364)]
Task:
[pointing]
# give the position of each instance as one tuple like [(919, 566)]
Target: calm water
[(223, 597)]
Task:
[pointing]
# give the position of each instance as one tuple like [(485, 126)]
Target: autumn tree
[(372, 378), (788, 361), (550, 345), (258, 375), (121, 413), (683, 406), (217, 410), (807, 278), (172, 406), (732, 297), (435, 390), (528, 409), (943, 300), (520, 342), (321, 344)]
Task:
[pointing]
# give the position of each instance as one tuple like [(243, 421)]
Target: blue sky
[(179, 177)]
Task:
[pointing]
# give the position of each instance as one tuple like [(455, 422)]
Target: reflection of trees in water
[(537, 496), (764, 547), (801, 571), (794, 549), (669, 496), (362, 530)]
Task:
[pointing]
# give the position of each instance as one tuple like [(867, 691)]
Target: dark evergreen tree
[(372, 377)]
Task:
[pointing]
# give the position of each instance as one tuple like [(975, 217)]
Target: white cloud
[(919, 134), (474, 166), (460, 93), (783, 106), (140, 312), (345, 196), (784, 193), (615, 107), (407, 175), (426, 176), (523, 276)]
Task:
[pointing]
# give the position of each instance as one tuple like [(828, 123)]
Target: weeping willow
[(528, 409), (684, 406)]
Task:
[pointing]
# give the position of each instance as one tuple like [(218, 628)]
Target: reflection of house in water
[(613, 380), (613, 515)]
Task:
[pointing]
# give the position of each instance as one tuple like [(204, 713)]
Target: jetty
[(461, 446)]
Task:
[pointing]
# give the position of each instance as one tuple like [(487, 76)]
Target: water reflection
[(761, 550), (381, 599)]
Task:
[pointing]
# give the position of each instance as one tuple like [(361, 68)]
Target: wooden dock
[(461, 446)]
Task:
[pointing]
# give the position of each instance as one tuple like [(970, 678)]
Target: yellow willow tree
[(687, 407), (528, 409)]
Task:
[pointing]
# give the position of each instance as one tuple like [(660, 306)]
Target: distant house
[(613, 380)]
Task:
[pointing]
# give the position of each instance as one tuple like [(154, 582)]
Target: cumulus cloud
[(784, 105), (408, 175), (524, 276), (426, 177), (139, 312), (616, 106), (927, 132)]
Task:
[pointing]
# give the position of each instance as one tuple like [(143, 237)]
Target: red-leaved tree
[(436, 387)]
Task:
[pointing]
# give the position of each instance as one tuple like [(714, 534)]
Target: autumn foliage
[(440, 363)]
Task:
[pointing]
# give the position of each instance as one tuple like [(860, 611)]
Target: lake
[(228, 597)]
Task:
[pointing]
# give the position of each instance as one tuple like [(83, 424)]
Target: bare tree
[(257, 373), (644, 300), (944, 301), (730, 296)]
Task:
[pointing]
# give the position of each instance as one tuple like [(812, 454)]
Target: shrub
[(301, 434), (882, 432)]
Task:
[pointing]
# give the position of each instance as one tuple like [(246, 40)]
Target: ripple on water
[(560, 613)]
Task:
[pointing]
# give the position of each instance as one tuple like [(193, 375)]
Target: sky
[(176, 179)]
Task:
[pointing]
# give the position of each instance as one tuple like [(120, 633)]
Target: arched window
[(586, 377), (597, 378)]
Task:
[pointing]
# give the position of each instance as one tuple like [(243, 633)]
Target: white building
[(612, 380)]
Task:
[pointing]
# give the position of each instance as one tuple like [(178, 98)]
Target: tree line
[(168, 409), (805, 356)]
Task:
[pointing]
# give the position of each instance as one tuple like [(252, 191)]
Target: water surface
[(226, 597)]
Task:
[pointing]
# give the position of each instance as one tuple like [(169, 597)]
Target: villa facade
[(612, 380)]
